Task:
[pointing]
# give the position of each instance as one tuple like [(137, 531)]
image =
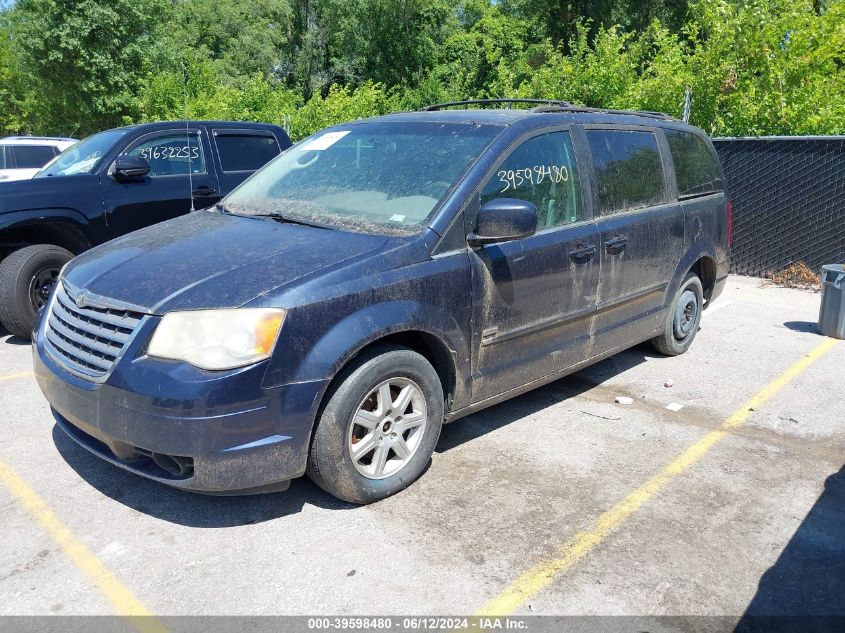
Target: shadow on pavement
[(14, 340), (187, 508), (8, 339), (495, 417), (802, 326), (202, 511), (805, 589)]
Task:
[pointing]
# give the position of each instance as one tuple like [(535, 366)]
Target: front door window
[(172, 154), (541, 171)]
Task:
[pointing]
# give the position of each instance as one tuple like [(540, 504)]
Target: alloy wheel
[(387, 428)]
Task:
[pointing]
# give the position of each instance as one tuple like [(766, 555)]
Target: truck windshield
[(383, 178), (84, 157)]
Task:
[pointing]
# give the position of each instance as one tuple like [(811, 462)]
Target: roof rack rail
[(574, 108), (450, 104), (550, 106)]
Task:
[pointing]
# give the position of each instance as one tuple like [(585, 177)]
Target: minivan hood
[(45, 193), (209, 260)]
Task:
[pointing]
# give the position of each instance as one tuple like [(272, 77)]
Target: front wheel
[(379, 428), (683, 318), (27, 277)]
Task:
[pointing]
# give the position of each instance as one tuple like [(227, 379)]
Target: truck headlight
[(218, 339)]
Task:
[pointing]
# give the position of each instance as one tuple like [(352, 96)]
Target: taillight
[(730, 223)]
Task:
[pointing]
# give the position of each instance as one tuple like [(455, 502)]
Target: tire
[(682, 318), (27, 276), (390, 465)]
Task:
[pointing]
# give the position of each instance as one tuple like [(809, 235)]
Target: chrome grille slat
[(88, 340), (93, 344), (100, 315), (77, 365), (69, 350), (92, 330)]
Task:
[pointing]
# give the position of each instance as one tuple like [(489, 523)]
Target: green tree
[(560, 20), (769, 67), (487, 58), (10, 91), (85, 58), (241, 38), (754, 66), (393, 42)]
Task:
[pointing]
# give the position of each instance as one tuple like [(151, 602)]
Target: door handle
[(616, 245), (204, 190), (582, 252)]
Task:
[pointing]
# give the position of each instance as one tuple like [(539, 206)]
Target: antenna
[(687, 103), (188, 136)]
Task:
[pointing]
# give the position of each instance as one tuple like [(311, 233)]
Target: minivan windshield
[(84, 156), (383, 178)]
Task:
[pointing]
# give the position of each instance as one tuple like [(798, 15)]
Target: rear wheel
[(27, 277), (683, 318), (379, 428)]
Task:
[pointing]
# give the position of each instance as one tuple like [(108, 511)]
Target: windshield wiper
[(278, 217)]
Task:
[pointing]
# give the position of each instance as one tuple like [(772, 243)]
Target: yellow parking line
[(23, 374), (535, 580), (120, 596)]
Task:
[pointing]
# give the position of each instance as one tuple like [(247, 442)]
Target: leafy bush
[(754, 66)]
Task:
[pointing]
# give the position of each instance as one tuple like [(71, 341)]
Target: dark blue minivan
[(376, 280)]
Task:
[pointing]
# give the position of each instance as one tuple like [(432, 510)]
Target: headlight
[(218, 339)]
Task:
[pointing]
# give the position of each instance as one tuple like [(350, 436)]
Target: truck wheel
[(27, 277), (376, 435), (682, 319)]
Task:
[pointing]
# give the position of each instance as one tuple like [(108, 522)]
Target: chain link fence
[(788, 197)]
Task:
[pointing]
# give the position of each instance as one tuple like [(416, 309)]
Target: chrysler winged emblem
[(82, 299)]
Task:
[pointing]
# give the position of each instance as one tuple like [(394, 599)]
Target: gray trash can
[(832, 311)]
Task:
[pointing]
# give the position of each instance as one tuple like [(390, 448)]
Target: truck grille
[(88, 340)]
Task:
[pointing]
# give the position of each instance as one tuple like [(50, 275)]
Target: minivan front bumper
[(209, 432)]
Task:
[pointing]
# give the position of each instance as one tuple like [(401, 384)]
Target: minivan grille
[(88, 340)]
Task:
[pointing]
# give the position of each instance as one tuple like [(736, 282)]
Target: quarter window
[(629, 174), (542, 171), (172, 154), (245, 152), (695, 165)]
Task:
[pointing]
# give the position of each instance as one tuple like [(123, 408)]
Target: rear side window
[(629, 174), (3, 151), (542, 171), (32, 156), (245, 152), (695, 165)]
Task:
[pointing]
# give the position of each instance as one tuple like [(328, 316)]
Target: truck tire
[(27, 278), (379, 428), (682, 319)]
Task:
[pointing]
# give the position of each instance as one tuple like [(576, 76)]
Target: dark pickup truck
[(112, 183)]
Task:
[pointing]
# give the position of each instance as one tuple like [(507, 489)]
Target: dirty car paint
[(211, 260)]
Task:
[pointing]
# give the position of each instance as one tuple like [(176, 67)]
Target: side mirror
[(130, 168), (504, 219)]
